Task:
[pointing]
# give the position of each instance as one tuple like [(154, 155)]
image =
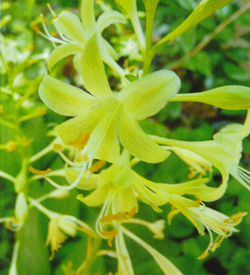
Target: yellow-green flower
[(204, 217), (110, 117), (75, 34), (223, 152)]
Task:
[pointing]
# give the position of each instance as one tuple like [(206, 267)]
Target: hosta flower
[(109, 117), (74, 35), (223, 152), (204, 217)]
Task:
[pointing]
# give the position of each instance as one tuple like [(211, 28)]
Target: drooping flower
[(204, 217), (107, 116), (223, 152)]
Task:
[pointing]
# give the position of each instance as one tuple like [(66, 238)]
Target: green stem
[(150, 7)]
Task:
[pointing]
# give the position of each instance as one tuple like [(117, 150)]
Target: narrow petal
[(63, 98), (63, 51), (147, 96), (88, 16), (124, 261), (87, 121), (69, 25), (137, 142), (93, 71), (166, 266), (203, 10), (225, 97), (109, 17)]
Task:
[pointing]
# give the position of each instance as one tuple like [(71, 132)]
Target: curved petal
[(96, 198), (110, 50), (109, 17), (86, 183), (147, 96), (93, 71), (137, 142), (103, 143), (225, 97), (87, 121), (69, 25), (63, 51), (63, 98), (88, 16)]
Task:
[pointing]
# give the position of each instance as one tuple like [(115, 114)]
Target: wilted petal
[(69, 25), (225, 97), (147, 96), (93, 71), (63, 51), (63, 98), (109, 17), (137, 142)]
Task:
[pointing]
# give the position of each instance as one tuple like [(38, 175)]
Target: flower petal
[(87, 121), (225, 97), (86, 183), (124, 200), (88, 16), (137, 142), (166, 266), (146, 97), (63, 98), (69, 25), (109, 17), (124, 261), (93, 71), (96, 198), (63, 51)]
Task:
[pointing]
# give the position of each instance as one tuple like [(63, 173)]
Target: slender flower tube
[(109, 117)]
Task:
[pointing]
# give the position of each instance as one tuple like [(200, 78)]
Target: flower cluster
[(108, 140)]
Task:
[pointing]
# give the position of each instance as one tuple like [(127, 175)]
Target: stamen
[(43, 18), (236, 218), (81, 141), (57, 147), (111, 235), (51, 10), (125, 64), (39, 172), (206, 252), (35, 28), (131, 68), (53, 33), (1, 109), (11, 146), (51, 21), (120, 216), (97, 166)]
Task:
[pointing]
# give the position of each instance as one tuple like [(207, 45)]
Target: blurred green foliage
[(223, 61)]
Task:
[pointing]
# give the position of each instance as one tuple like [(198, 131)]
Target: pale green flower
[(75, 34), (109, 117), (204, 217), (223, 152)]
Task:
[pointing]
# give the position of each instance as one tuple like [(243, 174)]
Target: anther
[(35, 28), (81, 140), (97, 166), (57, 147), (39, 172)]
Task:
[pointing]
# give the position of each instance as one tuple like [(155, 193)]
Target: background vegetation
[(225, 60)]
